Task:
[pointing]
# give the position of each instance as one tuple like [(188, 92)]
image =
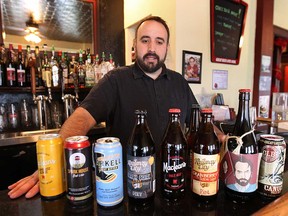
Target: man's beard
[(150, 67), (242, 181)]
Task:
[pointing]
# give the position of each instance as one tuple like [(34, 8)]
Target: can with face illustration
[(50, 161), (78, 160), (271, 172), (108, 171)]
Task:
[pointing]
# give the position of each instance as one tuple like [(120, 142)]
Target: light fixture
[(32, 28)]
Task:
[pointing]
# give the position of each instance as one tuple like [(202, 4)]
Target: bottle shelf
[(39, 90)]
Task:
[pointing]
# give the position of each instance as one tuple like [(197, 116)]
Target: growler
[(205, 161), (173, 153), (141, 181), (241, 161), (191, 135)]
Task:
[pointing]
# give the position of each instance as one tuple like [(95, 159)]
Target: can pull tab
[(108, 141)]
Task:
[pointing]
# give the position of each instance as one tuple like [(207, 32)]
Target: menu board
[(227, 30)]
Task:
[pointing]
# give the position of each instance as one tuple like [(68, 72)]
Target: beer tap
[(69, 99), (40, 100)]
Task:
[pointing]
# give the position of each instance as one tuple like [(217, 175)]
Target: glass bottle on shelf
[(206, 161), (81, 71), (241, 161), (21, 78), (2, 67), (27, 67), (26, 121), (13, 116), (90, 76), (46, 75), (38, 73), (141, 165), (11, 68), (55, 70), (174, 158), (72, 72), (64, 69)]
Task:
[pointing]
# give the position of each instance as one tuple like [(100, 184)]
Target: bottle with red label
[(205, 161), (240, 164), (11, 68), (174, 158)]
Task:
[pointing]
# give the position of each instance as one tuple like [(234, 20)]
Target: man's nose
[(151, 46)]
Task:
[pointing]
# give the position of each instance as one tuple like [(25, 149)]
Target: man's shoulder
[(175, 75)]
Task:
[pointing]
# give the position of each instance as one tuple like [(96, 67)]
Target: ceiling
[(65, 20)]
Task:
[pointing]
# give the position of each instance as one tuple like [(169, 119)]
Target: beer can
[(78, 160), (108, 171), (270, 179), (50, 160)]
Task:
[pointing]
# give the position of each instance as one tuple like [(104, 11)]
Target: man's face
[(151, 46), (242, 173)]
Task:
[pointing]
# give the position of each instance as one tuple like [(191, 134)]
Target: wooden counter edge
[(278, 207)]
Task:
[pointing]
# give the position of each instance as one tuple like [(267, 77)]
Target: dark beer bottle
[(21, 77), (206, 161), (141, 181), (174, 158), (191, 135), (2, 66), (241, 162)]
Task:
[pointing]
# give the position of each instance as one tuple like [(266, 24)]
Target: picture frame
[(192, 66)]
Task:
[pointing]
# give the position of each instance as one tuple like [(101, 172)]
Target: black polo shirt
[(123, 90)]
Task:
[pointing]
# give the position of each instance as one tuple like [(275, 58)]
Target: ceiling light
[(32, 30), (32, 37)]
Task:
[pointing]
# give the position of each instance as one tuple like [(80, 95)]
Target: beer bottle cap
[(174, 110)]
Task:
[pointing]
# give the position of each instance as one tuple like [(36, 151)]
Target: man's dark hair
[(243, 160), (157, 19)]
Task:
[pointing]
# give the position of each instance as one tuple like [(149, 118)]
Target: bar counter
[(187, 206)]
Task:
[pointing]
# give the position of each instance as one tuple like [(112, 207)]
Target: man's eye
[(144, 41), (159, 42)]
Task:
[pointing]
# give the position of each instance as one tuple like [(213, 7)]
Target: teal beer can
[(108, 171)]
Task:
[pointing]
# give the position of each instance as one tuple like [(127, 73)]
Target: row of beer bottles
[(196, 155), (83, 72)]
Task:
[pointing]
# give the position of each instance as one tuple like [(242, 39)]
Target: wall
[(189, 22), (280, 18)]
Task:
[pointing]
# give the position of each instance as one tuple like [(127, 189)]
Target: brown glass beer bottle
[(174, 158), (141, 180), (205, 161), (241, 162), (191, 136)]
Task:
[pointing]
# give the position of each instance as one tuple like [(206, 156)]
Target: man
[(147, 84), (243, 174)]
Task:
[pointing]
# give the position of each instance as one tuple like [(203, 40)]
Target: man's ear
[(134, 44)]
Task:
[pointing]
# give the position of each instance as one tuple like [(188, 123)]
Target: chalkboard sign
[(227, 30)]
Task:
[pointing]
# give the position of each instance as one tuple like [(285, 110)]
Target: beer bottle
[(2, 66), (206, 161), (191, 135), (173, 153), (241, 161), (141, 181)]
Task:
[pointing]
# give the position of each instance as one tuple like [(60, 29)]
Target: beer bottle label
[(141, 180), (205, 174), (174, 173), (240, 171)]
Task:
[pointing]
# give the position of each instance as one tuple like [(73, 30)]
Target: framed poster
[(227, 30), (192, 66)]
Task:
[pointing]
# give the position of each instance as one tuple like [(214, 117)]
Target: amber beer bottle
[(141, 181), (205, 161), (241, 162), (174, 158), (191, 135)]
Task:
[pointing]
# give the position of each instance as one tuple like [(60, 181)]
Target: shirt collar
[(138, 73)]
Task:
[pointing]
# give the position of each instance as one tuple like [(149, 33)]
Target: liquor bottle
[(174, 158), (28, 71), (90, 76), (81, 71), (2, 67), (241, 161), (21, 78), (206, 161), (97, 71), (72, 72), (64, 69), (111, 63), (11, 68), (47, 74), (191, 136), (141, 180), (55, 70), (38, 71), (103, 65)]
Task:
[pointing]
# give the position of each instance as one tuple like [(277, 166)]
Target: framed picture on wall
[(192, 66)]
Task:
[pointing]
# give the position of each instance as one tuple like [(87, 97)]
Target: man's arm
[(79, 123)]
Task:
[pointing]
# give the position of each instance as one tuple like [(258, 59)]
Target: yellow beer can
[(50, 160)]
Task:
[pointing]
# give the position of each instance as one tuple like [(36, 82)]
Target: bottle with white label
[(141, 181), (206, 161)]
